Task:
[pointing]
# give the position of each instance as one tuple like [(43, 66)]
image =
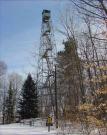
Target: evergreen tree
[(70, 78), (29, 103), (10, 105)]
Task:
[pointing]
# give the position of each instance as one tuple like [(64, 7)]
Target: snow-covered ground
[(39, 128), (18, 129)]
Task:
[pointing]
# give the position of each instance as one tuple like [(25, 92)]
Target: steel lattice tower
[(47, 53)]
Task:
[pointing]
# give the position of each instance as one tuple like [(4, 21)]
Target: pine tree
[(70, 63), (28, 103), (10, 105)]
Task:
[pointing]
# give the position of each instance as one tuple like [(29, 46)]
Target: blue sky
[(20, 26)]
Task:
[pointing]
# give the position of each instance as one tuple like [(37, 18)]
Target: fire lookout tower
[(46, 62)]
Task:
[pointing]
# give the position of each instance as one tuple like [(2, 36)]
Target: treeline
[(18, 98)]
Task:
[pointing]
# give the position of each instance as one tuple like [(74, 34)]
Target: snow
[(40, 129), (18, 129), (99, 132)]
